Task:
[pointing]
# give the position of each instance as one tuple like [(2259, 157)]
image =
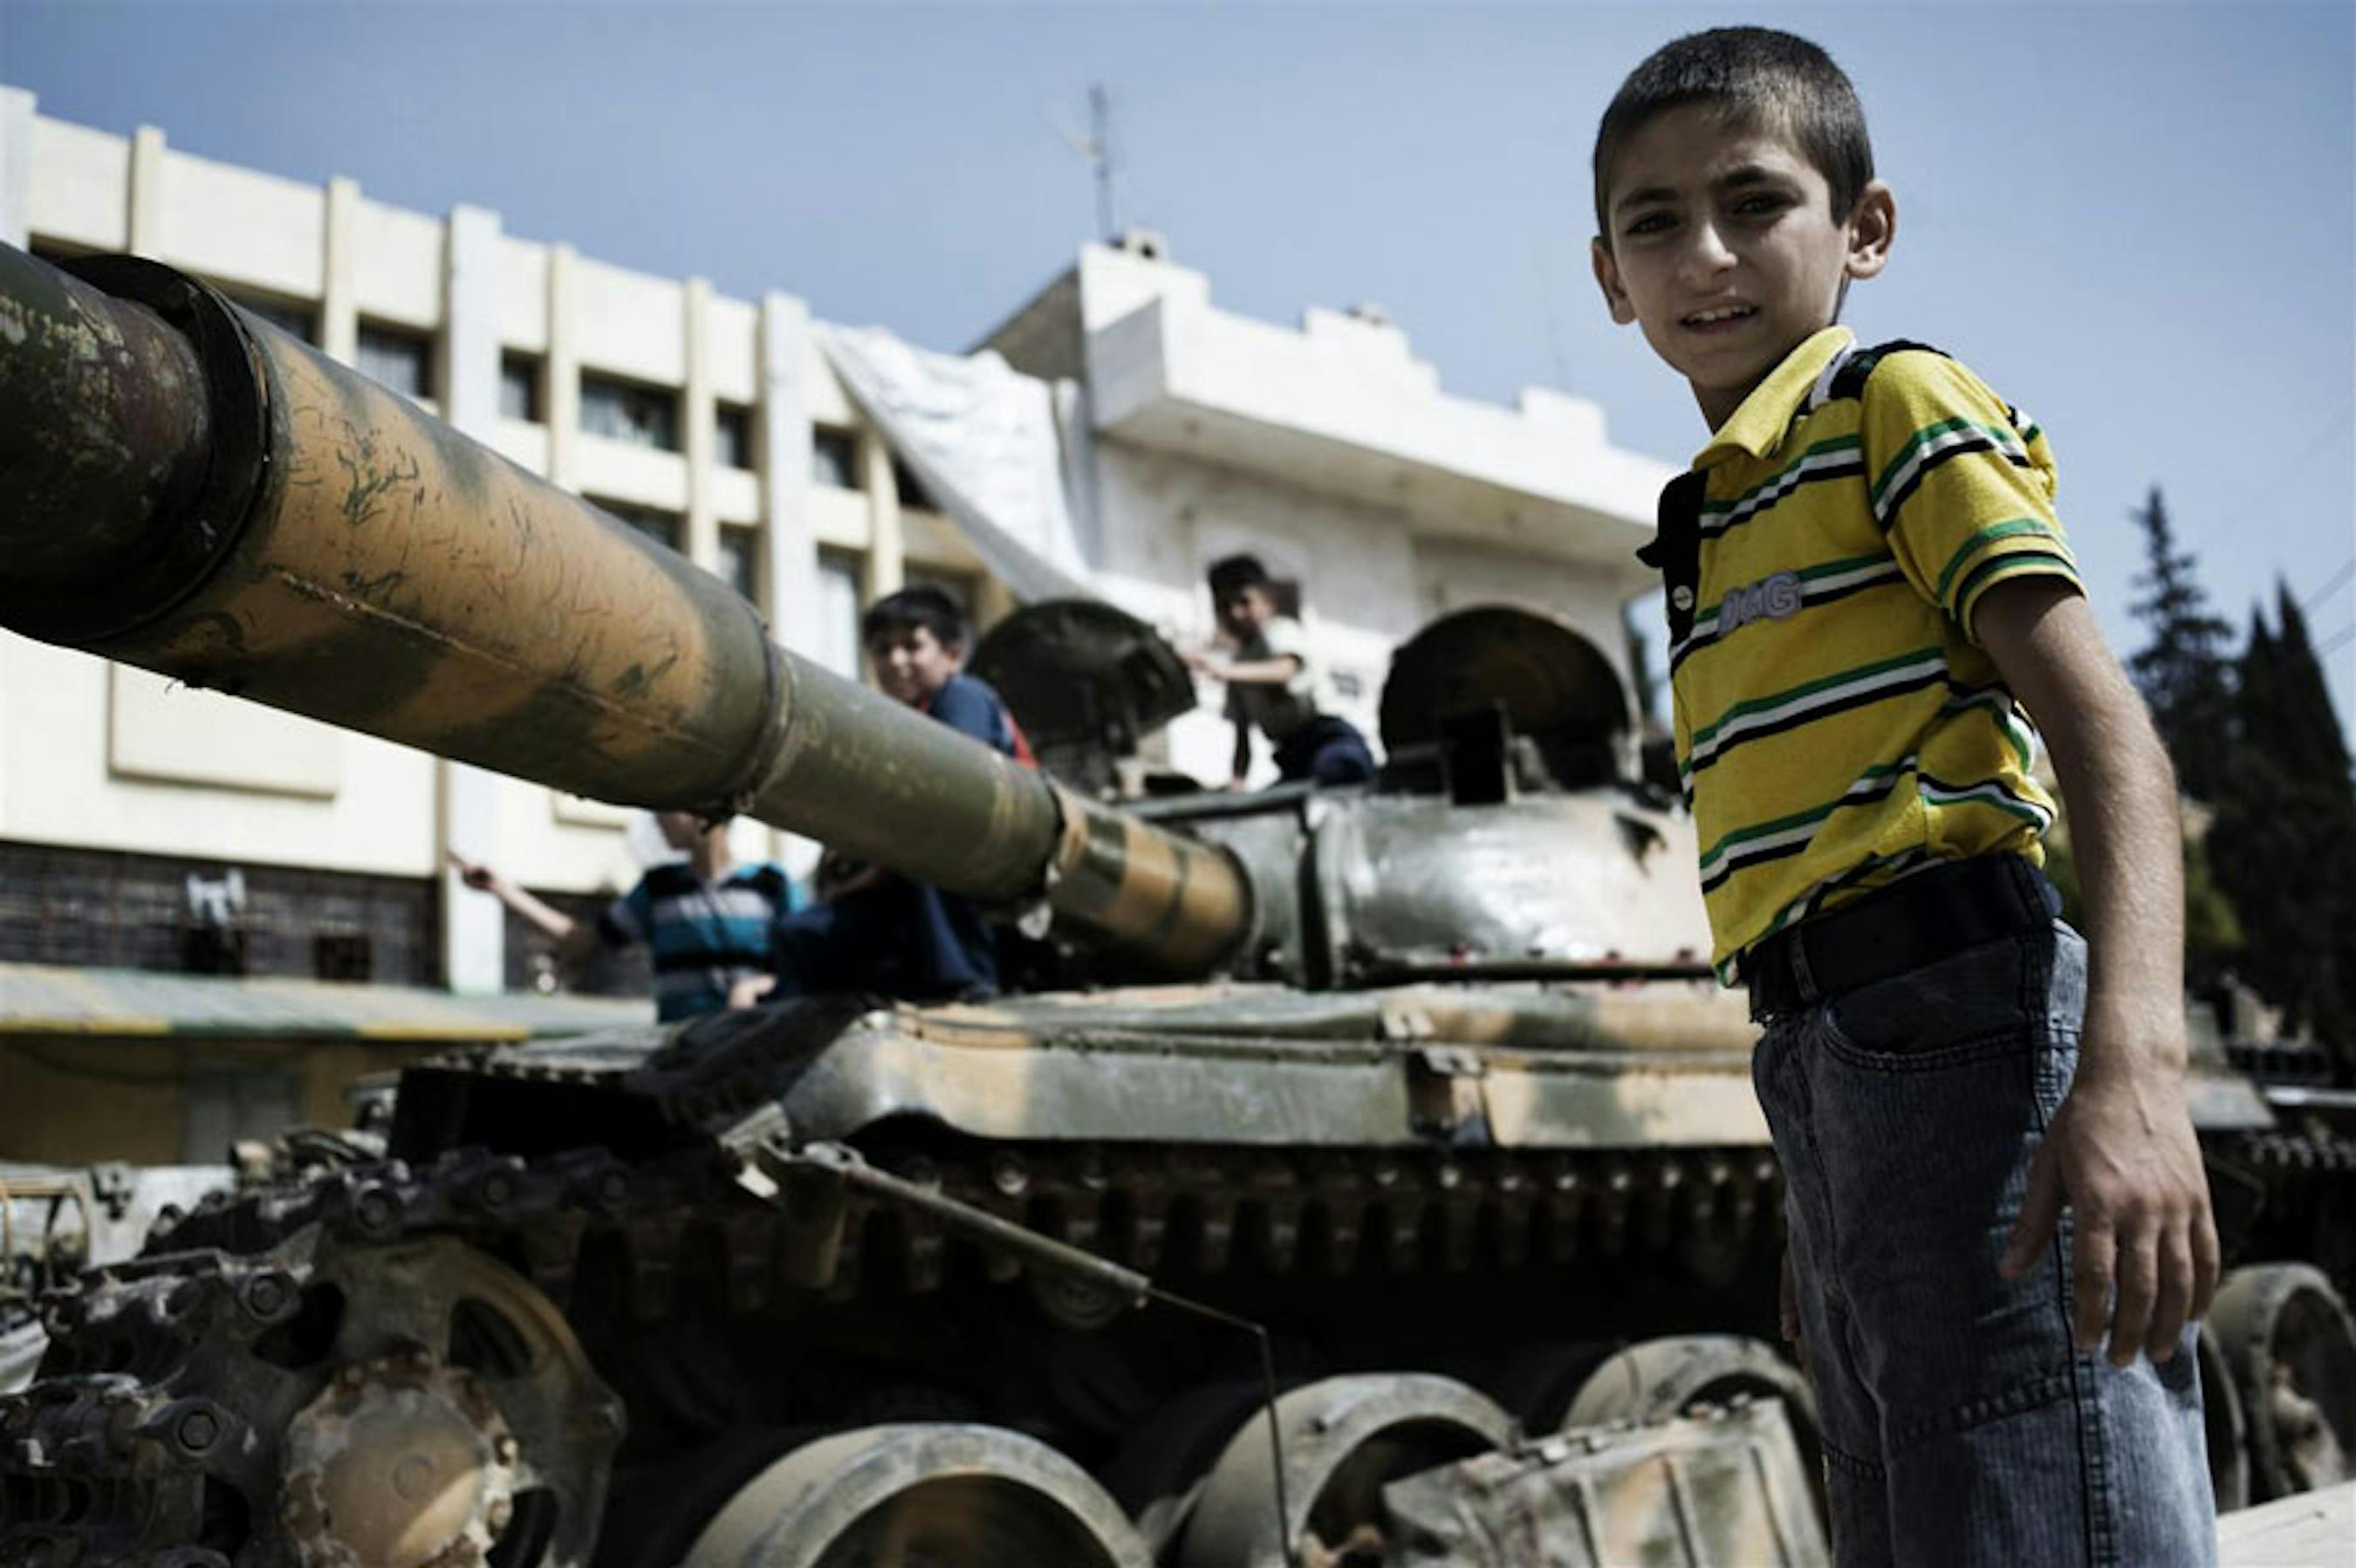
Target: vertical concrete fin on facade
[(16, 167), (563, 369), (784, 353), (470, 323), (340, 304), (887, 565), (702, 541), (17, 107), (474, 931), (146, 193)]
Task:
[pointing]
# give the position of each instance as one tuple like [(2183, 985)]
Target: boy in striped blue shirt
[(703, 920)]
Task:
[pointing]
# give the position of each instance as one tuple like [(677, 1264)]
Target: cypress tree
[(2182, 672), (2284, 841)]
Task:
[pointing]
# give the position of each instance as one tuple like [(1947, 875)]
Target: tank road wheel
[(1345, 1439), (1161, 1467), (2224, 1426), (462, 1420), (2291, 1349), (937, 1495), (1661, 1378)]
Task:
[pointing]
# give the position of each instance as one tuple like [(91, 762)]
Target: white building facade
[(718, 425)]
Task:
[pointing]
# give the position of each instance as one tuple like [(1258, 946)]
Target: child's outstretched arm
[(575, 939), (2121, 1151)]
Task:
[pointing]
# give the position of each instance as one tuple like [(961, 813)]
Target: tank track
[(143, 1436)]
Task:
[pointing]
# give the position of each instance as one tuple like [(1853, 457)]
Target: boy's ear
[(1607, 278), (1872, 225)]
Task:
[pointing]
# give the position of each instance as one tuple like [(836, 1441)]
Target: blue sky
[(2135, 221)]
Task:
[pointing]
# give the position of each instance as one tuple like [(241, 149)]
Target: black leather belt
[(1920, 920)]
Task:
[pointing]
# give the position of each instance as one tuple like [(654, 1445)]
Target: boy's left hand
[(2121, 1153)]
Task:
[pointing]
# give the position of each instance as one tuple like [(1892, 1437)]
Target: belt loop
[(1804, 980)]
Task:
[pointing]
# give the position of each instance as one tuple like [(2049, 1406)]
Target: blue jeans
[(1959, 1424), (1327, 749)]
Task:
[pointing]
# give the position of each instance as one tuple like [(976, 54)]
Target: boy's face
[(1723, 247), (1246, 611), (912, 664)]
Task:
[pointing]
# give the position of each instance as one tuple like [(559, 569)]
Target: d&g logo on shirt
[(1775, 597)]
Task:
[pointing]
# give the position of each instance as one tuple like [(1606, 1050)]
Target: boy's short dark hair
[(1234, 574), (910, 608), (1751, 74)]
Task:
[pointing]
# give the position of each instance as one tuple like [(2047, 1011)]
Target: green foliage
[(2212, 931), (2184, 672), (2284, 846)]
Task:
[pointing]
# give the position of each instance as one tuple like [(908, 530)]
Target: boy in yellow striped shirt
[(1991, 1174)]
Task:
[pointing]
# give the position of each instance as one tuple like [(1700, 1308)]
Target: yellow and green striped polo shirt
[(1837, 726)]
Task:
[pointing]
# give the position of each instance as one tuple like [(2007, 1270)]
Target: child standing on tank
[(1273, 683), (1982, 1121), (705, 919)]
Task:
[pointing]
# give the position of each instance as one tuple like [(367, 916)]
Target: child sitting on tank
[(1273, 684), (872, 930)]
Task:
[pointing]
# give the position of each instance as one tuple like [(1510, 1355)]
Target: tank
[(1332, 1138)]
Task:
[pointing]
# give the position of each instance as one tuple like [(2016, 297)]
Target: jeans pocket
[(1961, 1008)]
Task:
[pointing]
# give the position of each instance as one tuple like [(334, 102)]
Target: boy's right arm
[(575, 939)]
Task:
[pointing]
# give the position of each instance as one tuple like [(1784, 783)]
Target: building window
[(913, 495), (519, 387), (629, 411), (836, 645), (740, 560), (663, 527), (732, 427), (400, 362), (834, 457), (294, 320)]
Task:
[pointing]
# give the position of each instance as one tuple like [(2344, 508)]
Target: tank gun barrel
[(187, 489)]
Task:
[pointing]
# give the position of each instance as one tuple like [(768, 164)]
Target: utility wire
[(2323, 593)]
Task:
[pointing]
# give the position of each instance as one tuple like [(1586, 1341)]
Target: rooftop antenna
[(1097, 147)]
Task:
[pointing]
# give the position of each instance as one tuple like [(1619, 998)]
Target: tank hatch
[(1088, 682), (1551, 684)]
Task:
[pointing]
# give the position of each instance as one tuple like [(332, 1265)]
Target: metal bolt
[(506, 1449), (267, 1294), (199, 1430), (497, 1515), (375, 1210), (1008, 1174), (350, 1378)]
